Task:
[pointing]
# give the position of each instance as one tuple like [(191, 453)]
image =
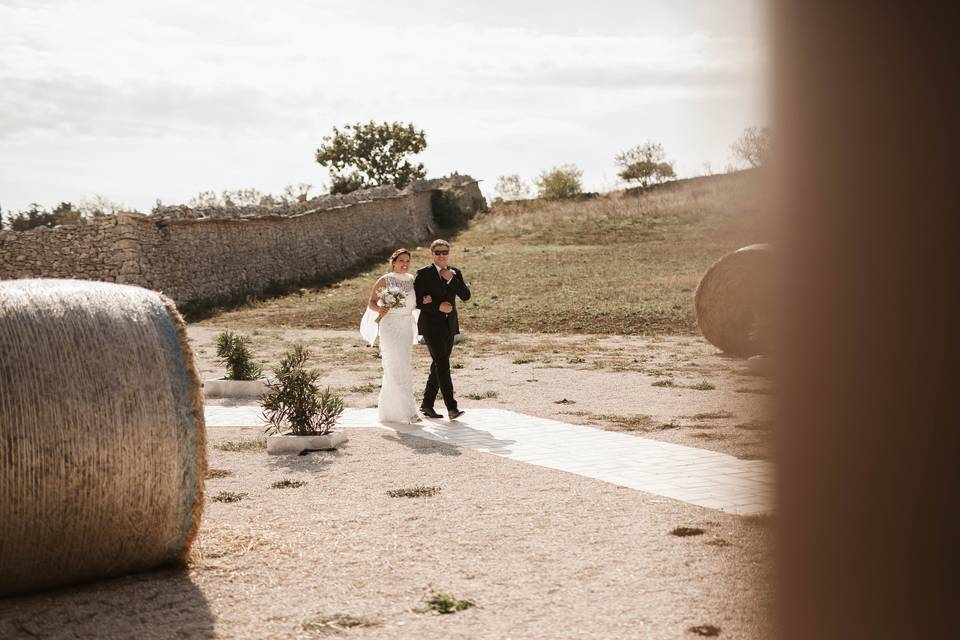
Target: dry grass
[(627, 265)]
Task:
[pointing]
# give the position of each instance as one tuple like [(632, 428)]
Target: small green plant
[(370, 387), (294, 401), (233, 351), (254, 444), (287, 484), (522, 360), (228, 496), (703, 385), (684, 532), (446, 603), (419, 491), (483, 395), (217, 473), (662, 383), (575, 360)]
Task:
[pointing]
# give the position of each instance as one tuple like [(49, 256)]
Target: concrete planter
[(287, 444), (223, 388)]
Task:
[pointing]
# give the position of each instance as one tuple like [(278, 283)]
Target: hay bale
[(102, 441), (733, 300)]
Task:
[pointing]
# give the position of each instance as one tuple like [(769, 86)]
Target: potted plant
[(243, 378), (300, 415)]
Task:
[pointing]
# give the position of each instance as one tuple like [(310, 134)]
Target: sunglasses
[(441, 253)]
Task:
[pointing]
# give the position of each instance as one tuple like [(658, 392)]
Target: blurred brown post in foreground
[(868, 179)]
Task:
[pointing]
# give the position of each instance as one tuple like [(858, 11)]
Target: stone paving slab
[(698, 476)]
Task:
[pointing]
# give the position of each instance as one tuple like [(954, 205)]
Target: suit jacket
[(428, 282)]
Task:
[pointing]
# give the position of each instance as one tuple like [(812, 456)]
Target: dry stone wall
[(204, 261)]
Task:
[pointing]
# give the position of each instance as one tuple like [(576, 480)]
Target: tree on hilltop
[(753, 146), (645, 164), (560, 182), (371, 155)]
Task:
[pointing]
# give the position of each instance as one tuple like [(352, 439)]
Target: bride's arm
[(375, 297)]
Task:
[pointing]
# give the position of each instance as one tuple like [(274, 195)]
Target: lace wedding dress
[(397, 331)]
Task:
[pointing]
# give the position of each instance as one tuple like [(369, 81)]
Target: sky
[(139, 101)]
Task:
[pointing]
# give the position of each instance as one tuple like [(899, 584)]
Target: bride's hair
[(399, 252)]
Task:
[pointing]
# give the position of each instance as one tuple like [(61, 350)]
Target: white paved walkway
[(701, 477)]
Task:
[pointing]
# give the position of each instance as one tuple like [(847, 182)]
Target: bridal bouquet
[(391, 298)]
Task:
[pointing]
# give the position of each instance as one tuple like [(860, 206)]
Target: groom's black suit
[(438, 329)]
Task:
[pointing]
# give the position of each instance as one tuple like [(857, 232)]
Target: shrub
[(35, 216), (233, 351), (645, 164), (448, 210), (560, 182), (294, 401)]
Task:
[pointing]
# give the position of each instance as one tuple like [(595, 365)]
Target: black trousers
[(440, 347)]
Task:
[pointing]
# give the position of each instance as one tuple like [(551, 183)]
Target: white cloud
[(236, 79)]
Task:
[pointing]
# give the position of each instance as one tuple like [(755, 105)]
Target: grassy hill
[(620, 263)]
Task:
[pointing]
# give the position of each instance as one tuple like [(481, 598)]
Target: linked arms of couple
[(440, 299)]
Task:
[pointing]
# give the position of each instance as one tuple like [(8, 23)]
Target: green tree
[(753, 146), (35, 216), (645, 164), (66, 213), (372, 154), (559, 182)]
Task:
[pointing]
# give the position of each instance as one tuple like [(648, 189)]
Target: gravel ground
[(541, 553)]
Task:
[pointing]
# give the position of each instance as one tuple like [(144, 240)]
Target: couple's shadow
[(445, 438)]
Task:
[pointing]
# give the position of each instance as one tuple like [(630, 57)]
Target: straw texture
[(102, 452), (733, 300)]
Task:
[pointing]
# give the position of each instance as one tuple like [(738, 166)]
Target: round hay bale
[(102, 441), (733, 300)]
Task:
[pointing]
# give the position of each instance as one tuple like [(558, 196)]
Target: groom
[(437, 287)]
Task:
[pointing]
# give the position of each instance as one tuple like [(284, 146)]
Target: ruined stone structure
[(200, 259)]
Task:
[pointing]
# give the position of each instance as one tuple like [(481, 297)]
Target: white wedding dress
[(397, 331)]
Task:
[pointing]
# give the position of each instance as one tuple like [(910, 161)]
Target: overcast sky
[(137, 101)]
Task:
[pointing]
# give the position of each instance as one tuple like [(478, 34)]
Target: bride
[(396, 328)]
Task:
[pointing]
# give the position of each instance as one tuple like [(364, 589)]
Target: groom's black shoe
[(429, 412), (453, 415)]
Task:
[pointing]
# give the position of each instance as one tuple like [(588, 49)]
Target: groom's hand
[(446, 307), (446, 274), (427, 299)]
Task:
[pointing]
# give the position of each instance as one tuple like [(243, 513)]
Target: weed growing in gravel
[(336, 622), (703, 385), (684, 532), (370, 387), (637, 422), (483, 395), (287, 484), (419, 491), (706, 630), (662, 383), (522, 360), (217, 473), (564, 401), (228, 496), (254, 444), (446, 603), (710, 415)]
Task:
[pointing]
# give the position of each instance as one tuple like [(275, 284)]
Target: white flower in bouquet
[(391, 297)]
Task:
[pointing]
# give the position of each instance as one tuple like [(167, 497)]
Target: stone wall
[(209, 260)]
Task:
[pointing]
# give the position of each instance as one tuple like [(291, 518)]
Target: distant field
[(616, 264)]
